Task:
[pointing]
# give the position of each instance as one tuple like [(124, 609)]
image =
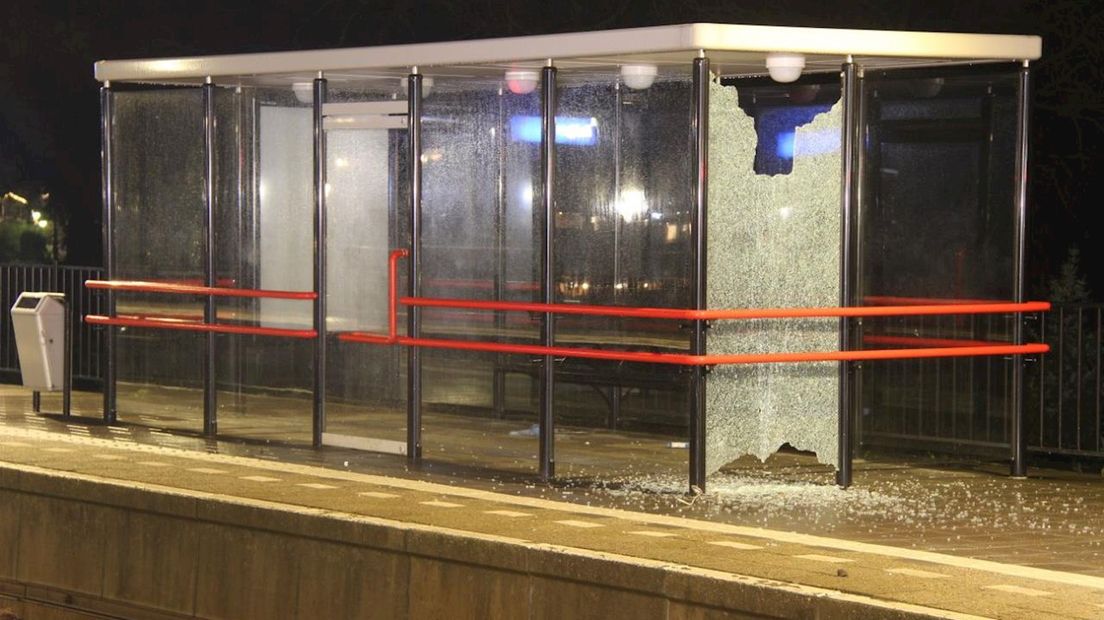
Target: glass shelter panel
[(937, 227), (264, 238), (480, 181), (367, 209), (159, 210), (623, 205)]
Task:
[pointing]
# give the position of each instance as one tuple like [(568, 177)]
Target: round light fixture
[(304, 91), (638, 77), (785, 67), (522, 82)]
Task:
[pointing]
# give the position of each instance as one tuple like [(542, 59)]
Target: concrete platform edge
[(223, 550)]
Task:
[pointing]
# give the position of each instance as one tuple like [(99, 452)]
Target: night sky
[(49, 111)]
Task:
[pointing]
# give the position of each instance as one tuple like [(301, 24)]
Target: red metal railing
[(188, 324), (392, 293), (139, 286), (741, 313), (946, 348), (197, 326), (228, 282), (686, 359)]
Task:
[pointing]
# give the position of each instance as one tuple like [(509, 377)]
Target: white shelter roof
[(732, 49)]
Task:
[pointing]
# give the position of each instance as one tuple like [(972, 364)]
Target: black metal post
[(618, 121), (414, 314), (106, 117), (546, 426), (848, 147), (858, 205), (318, 416), (700, 163), (36, 401), (210, 378), (1023, 118)]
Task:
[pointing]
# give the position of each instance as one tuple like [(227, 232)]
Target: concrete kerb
[(692, 586)]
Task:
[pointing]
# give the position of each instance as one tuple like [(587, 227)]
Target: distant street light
[(4, 202), (16, 197)]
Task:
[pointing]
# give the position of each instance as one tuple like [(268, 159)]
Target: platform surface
[(954, 540)]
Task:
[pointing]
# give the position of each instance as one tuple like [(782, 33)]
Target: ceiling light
[(521, 82), (304, 91), (638, 77), (785, 66)]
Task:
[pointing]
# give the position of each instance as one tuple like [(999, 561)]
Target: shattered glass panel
[(773, 242)]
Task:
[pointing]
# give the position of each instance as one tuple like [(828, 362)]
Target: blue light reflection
[(572, 130)]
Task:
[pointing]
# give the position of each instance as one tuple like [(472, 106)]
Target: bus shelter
[(705, 232)]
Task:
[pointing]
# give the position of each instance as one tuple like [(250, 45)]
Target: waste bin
[(40, 323)]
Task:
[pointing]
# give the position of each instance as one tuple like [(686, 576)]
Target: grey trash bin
[(40, 323)]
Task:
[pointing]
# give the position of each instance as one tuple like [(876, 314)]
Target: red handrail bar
[(740, 313), (676, 313), (874, 300), (161, 315), (187, 289), (392, 293), (686, 359), (194, 326), (227, 282)]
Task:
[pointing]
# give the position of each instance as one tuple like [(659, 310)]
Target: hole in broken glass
[(779, 110)]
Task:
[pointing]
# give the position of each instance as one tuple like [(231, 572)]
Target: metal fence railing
[(938, 403), (1063, 389), (964, 405), (87, 339)]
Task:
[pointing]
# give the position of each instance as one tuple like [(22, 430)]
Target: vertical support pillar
[(858, 292), (546, 425), (849, 148), (318, 412), (106, 123), (700, 162), (613, 419), (618, 120), (210, 376), (414, 314), (1019, 244)]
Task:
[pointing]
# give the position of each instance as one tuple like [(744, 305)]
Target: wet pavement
[(1014, 548)]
